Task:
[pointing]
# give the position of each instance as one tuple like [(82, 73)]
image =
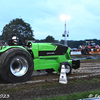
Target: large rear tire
[(83, 51), (87, 51), (16, 65)]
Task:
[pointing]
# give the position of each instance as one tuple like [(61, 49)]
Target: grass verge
[(75, 96)]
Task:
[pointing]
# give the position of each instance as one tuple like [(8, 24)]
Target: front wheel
[(16, 65), (68, 67)]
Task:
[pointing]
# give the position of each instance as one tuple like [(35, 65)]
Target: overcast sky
[(44, 17)]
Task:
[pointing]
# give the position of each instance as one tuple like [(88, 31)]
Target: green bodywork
[(48, 62), (5, 48), (43, 62)]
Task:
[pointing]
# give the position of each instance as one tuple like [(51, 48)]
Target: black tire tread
[(64, 63), (5, 56)]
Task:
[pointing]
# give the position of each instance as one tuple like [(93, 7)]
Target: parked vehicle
[(89, 48)]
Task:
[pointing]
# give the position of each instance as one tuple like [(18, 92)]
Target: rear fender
[(5, 48)]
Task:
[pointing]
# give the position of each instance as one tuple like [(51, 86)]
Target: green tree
[(20, 27), (49, 39)]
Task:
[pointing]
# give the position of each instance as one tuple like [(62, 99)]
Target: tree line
[(18, 26), (70, 43)]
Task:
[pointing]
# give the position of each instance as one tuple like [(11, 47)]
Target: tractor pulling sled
[(17, 63)]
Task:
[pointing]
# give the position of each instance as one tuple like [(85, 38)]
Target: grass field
[(75, 96)]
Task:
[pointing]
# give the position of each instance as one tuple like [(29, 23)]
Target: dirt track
[(46, 85), (88, 68)]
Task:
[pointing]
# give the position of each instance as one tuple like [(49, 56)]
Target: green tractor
[(17, 63)]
